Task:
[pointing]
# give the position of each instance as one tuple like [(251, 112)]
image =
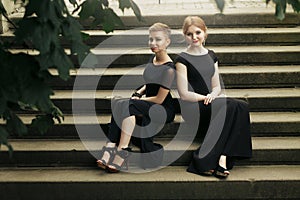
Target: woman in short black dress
[(224, 121), (151, 106)]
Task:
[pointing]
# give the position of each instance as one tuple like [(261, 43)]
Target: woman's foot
[(208, 173), (221, 171), (108, 153), (120, 161)]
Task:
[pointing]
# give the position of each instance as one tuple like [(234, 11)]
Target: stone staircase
[(259, 62)]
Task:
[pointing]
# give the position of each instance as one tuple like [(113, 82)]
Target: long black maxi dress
[(150, 117), (225, 122)]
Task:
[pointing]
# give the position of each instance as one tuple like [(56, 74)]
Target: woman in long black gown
[(150, 107), (224, 121)]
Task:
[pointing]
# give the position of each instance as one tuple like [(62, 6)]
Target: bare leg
[(128, 125)]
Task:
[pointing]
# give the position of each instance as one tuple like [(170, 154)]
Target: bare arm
[(142, 90), (182, 85), (159, 98), (216, 86)]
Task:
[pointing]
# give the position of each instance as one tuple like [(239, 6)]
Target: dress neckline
[(194, 54), (158, 65)]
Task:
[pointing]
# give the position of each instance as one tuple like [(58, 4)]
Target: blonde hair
[(196, 21), (161, 27)]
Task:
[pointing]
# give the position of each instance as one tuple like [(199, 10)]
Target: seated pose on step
[(224, 121), (149, 108)]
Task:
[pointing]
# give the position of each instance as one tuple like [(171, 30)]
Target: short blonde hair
[(161, 27), (196, 21)]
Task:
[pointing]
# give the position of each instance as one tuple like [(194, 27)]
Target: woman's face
[(158, 41), (195, 36)]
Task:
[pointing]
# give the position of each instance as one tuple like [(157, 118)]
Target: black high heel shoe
[(221, 172), (123, 154), (111, 151)]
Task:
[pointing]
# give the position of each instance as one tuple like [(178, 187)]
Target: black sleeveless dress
[(224, 124)]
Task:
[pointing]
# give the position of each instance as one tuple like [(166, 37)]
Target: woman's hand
[(209, 98), (136, 98)]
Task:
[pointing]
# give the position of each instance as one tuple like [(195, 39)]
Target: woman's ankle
[(120, 148), (222, 161), (110, 144)]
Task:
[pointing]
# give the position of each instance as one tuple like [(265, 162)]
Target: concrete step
[(255, 18), (217, 37), (41, 152), (212, 20), (262, 124), (263, 99), (249, 182), (241, 76), (228, 55)]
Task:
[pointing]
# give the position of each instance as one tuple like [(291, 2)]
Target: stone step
[(173, 182), (212, 20), (262, 99), (228, 55), (262, 124), (240, 76), (41, 152), (217, 37)]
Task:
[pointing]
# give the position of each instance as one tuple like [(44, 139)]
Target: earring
[(203, 42)]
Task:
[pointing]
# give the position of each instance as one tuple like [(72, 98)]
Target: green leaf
[(63, 63), (26, 29), (44, 10), (88, 8), (124, 4), (38, 93), (57, 114), (15, 125), (57, 58), (42, 123), (42, 35), (81, 50), (136, 10), (3, 105), (9, 82), (109, 19), (71, 30), (105, 3), (220, 4), (280, 12), (131, 4), (295, 4), (4, 141), (84, 36)]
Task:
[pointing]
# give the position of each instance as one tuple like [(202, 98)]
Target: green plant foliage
[(103, 15), (280, 8), (220, 4), (25, 76), (130, 4)]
